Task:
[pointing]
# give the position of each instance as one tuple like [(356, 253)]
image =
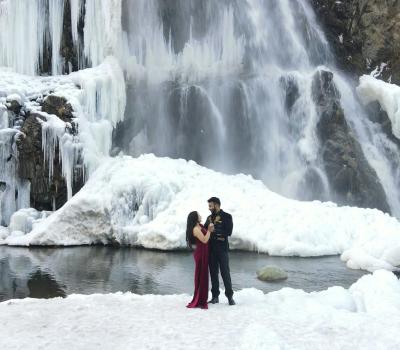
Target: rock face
[(46, 193), (271, 273), (363, 34), (352, 179)]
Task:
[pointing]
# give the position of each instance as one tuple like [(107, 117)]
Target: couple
[(211, 253)]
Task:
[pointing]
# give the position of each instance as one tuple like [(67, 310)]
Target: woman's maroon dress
[(200, 255)]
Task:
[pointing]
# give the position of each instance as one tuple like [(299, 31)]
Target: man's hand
[(211, 227)]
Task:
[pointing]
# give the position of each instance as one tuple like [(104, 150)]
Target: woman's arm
[(202, 238)]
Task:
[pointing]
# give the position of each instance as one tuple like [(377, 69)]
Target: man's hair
[(214, 200)]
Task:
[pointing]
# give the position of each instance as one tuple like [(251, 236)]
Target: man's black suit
[(219, 247)]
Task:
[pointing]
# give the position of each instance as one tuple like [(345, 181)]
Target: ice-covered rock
[(23, 219), (371, 89)]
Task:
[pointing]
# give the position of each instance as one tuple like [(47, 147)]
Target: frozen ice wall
[(37, 37), (227, 83), (97, 96), (32, 33)]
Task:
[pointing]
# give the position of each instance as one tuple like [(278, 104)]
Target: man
[(219, 247)]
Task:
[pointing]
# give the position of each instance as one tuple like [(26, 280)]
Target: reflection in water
[(42, 285), (49, 272)]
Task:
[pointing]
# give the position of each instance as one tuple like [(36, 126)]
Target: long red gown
[(200, 255)]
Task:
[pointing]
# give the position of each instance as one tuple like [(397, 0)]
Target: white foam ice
[(145, 201)]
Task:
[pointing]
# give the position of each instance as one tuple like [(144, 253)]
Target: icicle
[(24, 29), (22, 33), (101, 107), (56, 16), (54, 134), (76, 13), (8, 181), (103, 29)]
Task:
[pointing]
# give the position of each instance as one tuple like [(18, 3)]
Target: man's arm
[(229, 225), (207, 223)]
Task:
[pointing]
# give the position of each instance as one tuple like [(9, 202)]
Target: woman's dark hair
[(192, 221)]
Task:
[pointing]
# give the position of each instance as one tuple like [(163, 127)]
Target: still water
[(51, 272)]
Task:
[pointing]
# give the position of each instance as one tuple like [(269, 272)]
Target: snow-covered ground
[(366, 316), (145, 201)]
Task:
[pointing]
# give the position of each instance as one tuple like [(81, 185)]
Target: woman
[(197, 233)]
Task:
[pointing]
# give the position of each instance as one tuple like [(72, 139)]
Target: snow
[(365, 316), (23, 219), (145, 201), (371, 89)]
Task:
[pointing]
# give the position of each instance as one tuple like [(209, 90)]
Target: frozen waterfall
[(227, 83)]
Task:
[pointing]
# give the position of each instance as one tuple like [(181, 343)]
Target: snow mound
[(365, 316), (145, 202)]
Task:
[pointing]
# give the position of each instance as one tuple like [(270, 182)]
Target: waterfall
[(227, 83), (219, 72)]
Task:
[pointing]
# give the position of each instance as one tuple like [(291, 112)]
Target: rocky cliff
[(364, 34)]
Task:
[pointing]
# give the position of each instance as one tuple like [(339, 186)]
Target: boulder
[(271, 273)]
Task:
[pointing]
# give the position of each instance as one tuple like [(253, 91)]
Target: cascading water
[(227, 83), (207, 81)]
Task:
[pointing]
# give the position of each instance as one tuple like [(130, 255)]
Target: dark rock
[(14, 107), (60, 107), (291, 89), (353, 181)]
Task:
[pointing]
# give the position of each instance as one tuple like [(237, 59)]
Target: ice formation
[(371, 89), (145, 201)]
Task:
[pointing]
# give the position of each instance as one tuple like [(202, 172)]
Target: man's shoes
[(231, 301), (214, 300)]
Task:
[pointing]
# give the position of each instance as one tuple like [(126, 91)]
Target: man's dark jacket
[(223, 228)]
